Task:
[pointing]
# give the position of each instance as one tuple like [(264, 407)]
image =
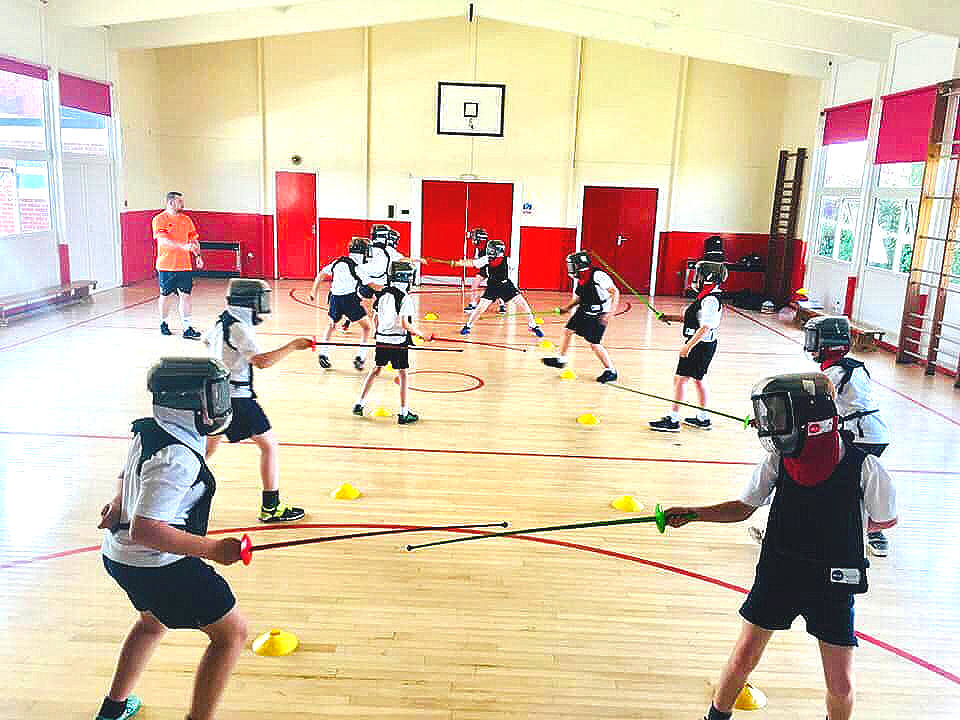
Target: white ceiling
[(795, 36)]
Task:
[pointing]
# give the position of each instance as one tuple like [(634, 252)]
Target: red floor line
[(883, 645), (948, 418), (445, 451), (76, 324)]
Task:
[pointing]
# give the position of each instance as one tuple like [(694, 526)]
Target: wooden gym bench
[(54, 295), (865, 337)]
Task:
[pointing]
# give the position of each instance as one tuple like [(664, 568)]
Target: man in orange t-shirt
[(177, 240)]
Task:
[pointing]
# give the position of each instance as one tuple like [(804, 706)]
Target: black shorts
[(364, 291), (505, 291), (588, 327), (482, 272), (872, 448), (398, 357), (829, 618), (248, 420), (172, 281), (345, 305), (697, 362), (187, 594)]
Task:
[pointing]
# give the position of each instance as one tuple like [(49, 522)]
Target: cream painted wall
[(208, 125), (800, 128), (539, 68), (142, 185), (21, 33), (222, 147), (407, 61), (315, 107)]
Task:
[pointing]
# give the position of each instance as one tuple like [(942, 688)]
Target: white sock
[(362, 353), (703, 415), (611, 369), (404, 409), (674, 415), (186, 321), (361, 402), (324, 350), (562, 358)]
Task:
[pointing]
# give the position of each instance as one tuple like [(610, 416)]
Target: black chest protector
[(691, 319), (849, 366), (226, 320), (814, 537), (397, 295), (351, 266), (153, 439), (589, 294), (498, 273)]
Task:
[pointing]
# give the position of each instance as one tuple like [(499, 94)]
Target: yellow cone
[(568, 374), (275, 643), (750, 698), (546, 345), (627, 503), (382, 412), (417, 340), (800, 291), (345, 492), (588, 419), (538, 321), (431, 316), (388, 368)]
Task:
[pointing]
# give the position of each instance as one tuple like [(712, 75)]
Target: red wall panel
[(543, 253), (335, 234), (64, 252), (677, 247), (253, 231)]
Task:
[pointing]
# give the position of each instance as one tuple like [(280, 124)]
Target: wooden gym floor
[(606, 623)]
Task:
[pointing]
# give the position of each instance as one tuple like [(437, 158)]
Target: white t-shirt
[(244, 339), (389, 328), (605, 289), (709, 317), (343, 283), (857, 395), (163, 490), (879, 494), (375, 269)]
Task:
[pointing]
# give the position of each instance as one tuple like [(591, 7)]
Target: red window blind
[(82, 94), (905, 123), (19, 67), (847, 123)]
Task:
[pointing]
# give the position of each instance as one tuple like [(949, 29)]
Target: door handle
[(620, 240), (313, 229)]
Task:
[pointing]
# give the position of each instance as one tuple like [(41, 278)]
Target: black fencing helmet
[(577, 262), (401, 273), (379, 234), (253, 294), (496, 249), (479, 236), (193, 383), (789, 408), (709, 272), (358, 246), (822, 333), (393, 237)]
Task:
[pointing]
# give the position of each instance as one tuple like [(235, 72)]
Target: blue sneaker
[(535, 329), (465, 330), (132, 708)]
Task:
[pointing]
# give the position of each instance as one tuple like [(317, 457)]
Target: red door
[(490, 206), (297, 225), (618, 226), (444, 217)]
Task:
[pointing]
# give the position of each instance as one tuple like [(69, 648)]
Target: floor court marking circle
[(693, 575), (478, 382)]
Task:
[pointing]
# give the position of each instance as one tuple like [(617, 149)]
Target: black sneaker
[(191, 334), (607, 376), (877, 543), (470, 307), (280, 513), (554, 362), (358, 410), (698, 423), (465, 330), (358, 363), (324, 362), (165, 329), (407, 419), (346, 325), (502, 308), (535, 329), (665, 424)]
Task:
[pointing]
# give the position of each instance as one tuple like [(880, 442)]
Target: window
[(24, 197), (21, 112), (901, 175), (891, 238), (83, 132), (844, 166), (837, 227)]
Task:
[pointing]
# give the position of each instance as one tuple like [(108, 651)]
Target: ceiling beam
[(941, 17)]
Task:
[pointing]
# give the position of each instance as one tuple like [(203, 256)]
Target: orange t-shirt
[(177, 228)]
